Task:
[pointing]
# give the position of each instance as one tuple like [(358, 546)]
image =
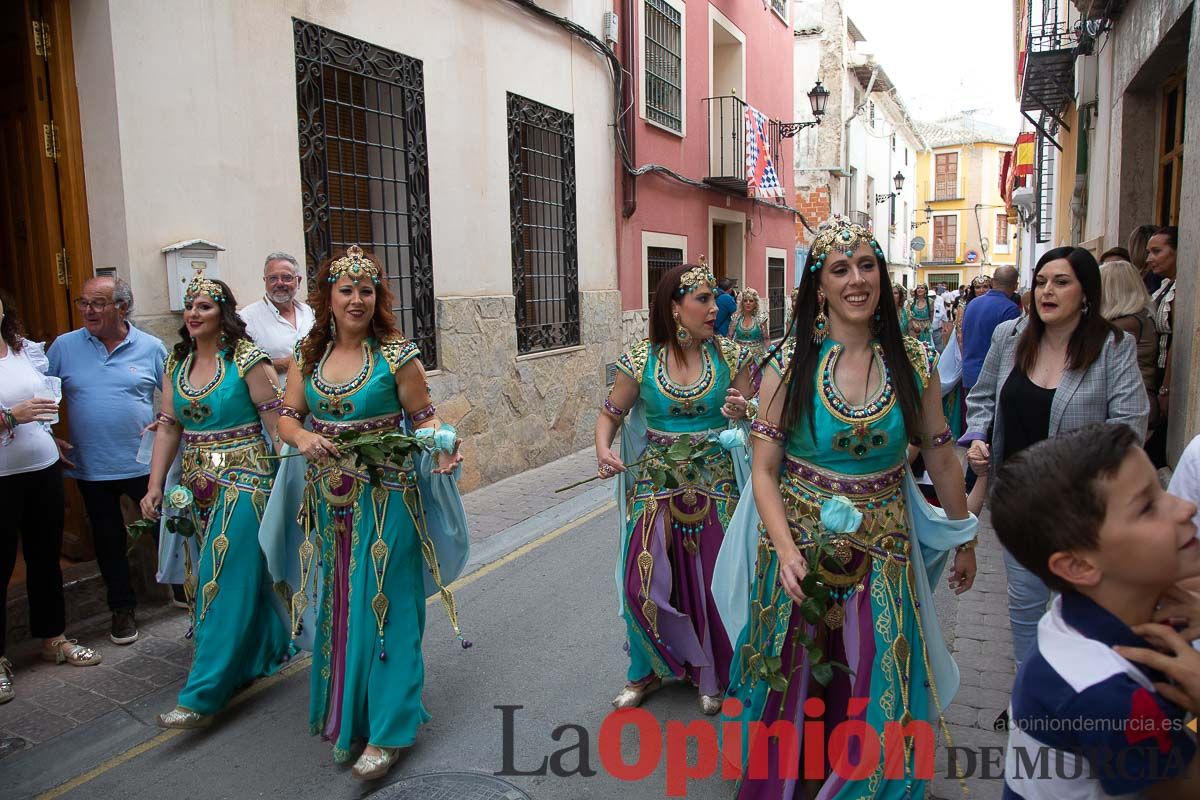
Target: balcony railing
[(727, 142), (1048, 74)]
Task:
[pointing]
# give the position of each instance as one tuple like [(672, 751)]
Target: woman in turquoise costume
[(918, 315), (832, 496), (219, 395), (369, 548), (749, 324), (681, 382)]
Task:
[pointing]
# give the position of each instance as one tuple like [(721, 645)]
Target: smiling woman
[(841, 577)]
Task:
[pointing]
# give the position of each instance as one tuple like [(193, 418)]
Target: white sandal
[(68, 651)]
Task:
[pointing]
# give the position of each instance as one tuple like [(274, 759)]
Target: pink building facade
[(692, 69)]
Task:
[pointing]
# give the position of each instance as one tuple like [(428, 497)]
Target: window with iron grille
[(363, 167), (946, 176), (658, 261), (949, 278), (776, 297), (663, 27), (541, 175), (945, 238), (1002, 234), (780, 8)]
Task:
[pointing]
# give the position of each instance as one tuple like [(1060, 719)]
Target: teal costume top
[(238, 635), (752, 338)]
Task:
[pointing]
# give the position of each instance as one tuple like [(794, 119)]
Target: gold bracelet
[(965, 546)]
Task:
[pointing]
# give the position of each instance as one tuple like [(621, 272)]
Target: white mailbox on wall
[(185, 259)]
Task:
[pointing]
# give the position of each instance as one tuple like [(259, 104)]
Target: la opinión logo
[(736, 748)]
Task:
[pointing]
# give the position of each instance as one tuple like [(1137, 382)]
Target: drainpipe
[(628, 181)]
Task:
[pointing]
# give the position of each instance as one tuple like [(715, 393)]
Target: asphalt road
[(546, 637)]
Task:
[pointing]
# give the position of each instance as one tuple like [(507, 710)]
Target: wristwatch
[(1163, 391)]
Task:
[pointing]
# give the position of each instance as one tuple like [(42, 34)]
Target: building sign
[(972, 256)]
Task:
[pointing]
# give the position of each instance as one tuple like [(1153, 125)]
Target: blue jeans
[(1027, 601)]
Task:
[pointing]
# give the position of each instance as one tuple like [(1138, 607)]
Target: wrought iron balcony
[(727, 142), (1048, 71)]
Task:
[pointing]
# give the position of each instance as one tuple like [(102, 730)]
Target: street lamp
[(898, 179), (818, 96)]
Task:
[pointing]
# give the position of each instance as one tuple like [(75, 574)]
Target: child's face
[(1147, 537)]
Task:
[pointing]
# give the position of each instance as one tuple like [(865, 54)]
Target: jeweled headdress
[(199, 285), (844, 236), (355, 264), (694, 277)]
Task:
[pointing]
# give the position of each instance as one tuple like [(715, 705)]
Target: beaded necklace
[(685, 397), (334, 402), (861, 438), (197, 411)]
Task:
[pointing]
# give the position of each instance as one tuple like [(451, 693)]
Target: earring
[(820, 327), (681, 334), (332, 327), (1085, 308)]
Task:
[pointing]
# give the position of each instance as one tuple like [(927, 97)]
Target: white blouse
[(32, 448)]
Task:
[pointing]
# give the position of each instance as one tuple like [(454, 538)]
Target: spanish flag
[(1024, 159)]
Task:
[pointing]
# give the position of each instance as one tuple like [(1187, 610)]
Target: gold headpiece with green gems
[(694, 277), (354, 264), (199, 285), (844, 236)]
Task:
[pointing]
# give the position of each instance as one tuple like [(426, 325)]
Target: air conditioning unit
[(610, 26), (1087, 73), (1024, 200)]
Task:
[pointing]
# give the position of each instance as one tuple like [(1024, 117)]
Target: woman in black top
[(1061, 367)]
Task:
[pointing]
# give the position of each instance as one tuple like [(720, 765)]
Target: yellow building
[(965, 224)]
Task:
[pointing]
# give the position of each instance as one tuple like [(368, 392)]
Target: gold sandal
[(68, 651)]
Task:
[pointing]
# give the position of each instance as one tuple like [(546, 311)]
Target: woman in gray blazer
[(1061, 367)]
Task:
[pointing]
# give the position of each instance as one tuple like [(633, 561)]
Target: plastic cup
[(146, 450), (52, 390)]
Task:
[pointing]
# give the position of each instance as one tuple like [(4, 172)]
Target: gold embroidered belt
[(878, 496), (370, 425), (225, 437)]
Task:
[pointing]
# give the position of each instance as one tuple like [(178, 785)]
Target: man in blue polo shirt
[(110, 371)]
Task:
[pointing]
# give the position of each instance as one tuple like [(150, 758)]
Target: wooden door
[(45, 252), (717, 262)]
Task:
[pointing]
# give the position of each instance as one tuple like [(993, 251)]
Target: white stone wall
[(189, 119), (189, 126)]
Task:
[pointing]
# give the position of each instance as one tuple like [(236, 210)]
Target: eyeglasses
[(95, 305), (282, 278)]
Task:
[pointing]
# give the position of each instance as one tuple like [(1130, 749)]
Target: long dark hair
[(662, 315), (232, 327), (1087, 340), (801, 374), (11, 328), (383, 322)]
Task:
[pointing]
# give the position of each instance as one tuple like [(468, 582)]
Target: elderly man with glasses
[(110, 371), (278, 320)]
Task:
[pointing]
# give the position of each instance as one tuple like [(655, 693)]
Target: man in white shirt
[(939, 315), (279, 320)]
